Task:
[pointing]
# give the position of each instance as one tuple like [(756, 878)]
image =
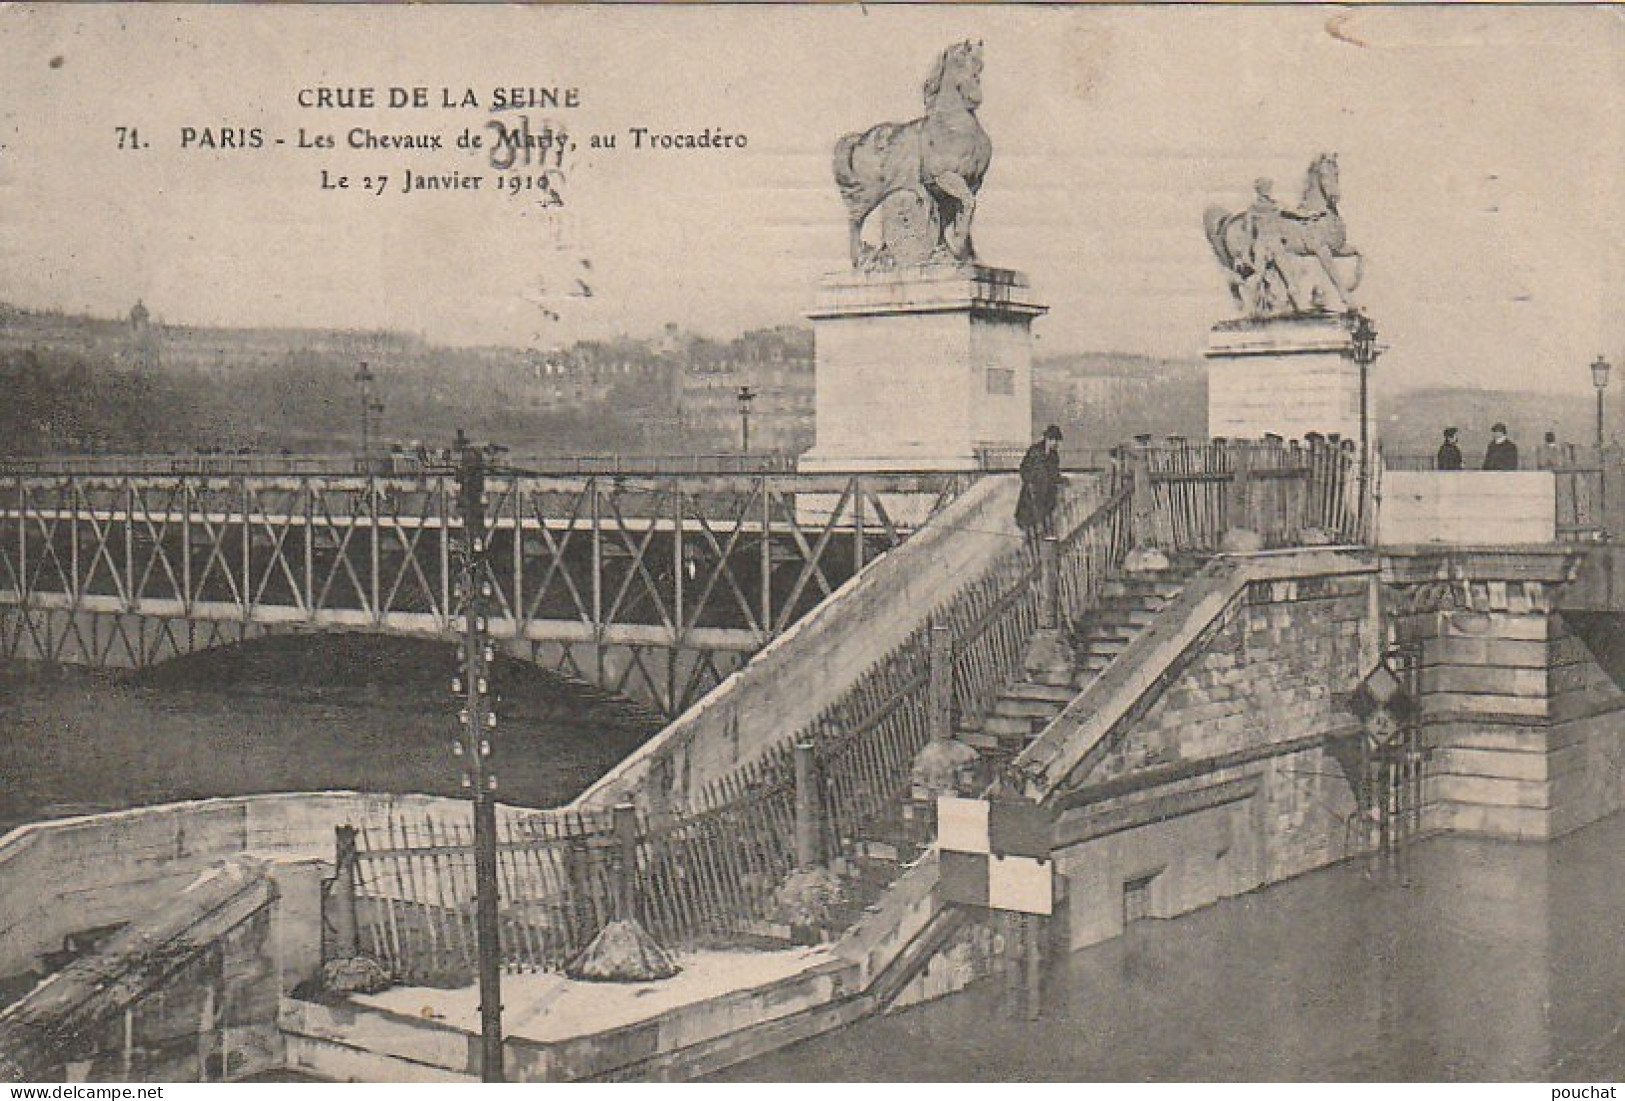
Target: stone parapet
[(1468, 507)]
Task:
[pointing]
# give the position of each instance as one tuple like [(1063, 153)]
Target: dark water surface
[(1499, 962), (291, 714)]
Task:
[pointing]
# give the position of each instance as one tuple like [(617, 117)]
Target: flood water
[(289, 714), (1499, 962)]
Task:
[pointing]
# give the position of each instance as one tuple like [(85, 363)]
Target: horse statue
[(1264, 249), (926, 172)]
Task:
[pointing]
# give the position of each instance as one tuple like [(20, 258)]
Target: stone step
[(1093, 648), (1111, 607), (1055, 679), (994, 746), (1135, 615), (1017, 707), (1107, 637), (1007, 726), (1090, 667), (1031, 690), (344, 1041), (1165, 588), (336, 1061), (979, 740)]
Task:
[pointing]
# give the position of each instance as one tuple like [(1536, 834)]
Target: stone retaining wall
[(72, 874), (1223, 777)]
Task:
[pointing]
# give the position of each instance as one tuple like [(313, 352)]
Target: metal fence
[(1188, 495), (713, 871)]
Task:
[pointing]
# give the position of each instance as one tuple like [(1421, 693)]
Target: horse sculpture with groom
[(1285, 262)]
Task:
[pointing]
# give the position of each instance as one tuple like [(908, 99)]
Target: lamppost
[(1599, 379), (478, 724), (745, 396), (366, 378), (1364, 338)]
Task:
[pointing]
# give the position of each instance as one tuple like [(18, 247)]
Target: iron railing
[(714, 870)]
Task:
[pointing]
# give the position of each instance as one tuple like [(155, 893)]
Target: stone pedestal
[(921, 368), (1290, 376)]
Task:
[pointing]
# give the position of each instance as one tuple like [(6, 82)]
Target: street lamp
[(1599, 379), (1364, 338), (366, 378), (745, 396)]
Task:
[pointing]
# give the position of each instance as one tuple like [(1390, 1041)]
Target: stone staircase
[(1129, 602), (890, 841)]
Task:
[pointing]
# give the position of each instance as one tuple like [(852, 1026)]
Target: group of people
[(1502, 453), (1041, 477)]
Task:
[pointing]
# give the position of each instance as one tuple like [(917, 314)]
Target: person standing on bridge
[(1551, 455), (1041, 481), (1502, 453), (1449, 457)]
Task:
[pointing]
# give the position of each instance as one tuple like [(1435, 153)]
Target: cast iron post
[(479, 722)]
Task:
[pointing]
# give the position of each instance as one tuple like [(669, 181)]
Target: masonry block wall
[(1527, 729), (1228, 779)]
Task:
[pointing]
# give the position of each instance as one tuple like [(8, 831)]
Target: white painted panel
[(1468, 508), (1020, 883), (962, 825)]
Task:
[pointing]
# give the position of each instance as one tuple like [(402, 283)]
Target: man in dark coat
[(1502, 453), (1449, 457), (1040, 483)]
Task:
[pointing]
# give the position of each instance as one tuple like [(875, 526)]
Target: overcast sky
[(1480, 151)]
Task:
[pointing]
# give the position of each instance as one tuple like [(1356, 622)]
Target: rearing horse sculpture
[(937, 161), (1259, 248)]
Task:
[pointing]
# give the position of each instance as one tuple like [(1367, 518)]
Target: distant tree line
[(59, 401)]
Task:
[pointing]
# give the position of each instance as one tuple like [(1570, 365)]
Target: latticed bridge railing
[(652, 585)]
